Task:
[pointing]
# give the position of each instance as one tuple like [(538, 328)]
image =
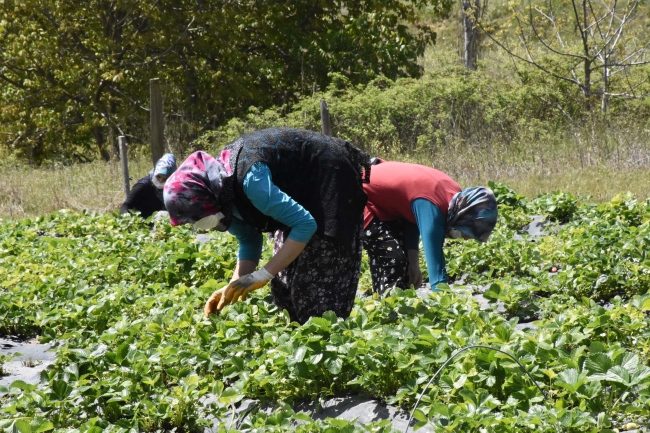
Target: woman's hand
[(241, 287), (415, 275), (213, 302), (237, 289)]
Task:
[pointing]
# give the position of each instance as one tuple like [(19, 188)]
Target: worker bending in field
[(146, 196), (406, 201), (303, 186)]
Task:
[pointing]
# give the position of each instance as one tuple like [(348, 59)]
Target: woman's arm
[(431, 222), (271, 201), (134, 198), (250, 247), (285, 255)]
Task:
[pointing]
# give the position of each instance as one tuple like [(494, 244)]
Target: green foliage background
[(75, 75)]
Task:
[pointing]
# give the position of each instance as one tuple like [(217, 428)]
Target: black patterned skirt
[(324, 277), (389, 264)]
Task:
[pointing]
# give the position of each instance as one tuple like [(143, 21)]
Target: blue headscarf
[(473, 211), (165, 166)]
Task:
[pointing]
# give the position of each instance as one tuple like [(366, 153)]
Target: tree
[(590, 44), (76, 73), (472, 11)]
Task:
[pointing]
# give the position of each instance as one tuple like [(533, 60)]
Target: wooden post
[(125, 164), (325, 118), (157, 121)]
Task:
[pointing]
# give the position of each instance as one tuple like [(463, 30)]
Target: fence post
[(157, 121), (125, 164), (325, 118)]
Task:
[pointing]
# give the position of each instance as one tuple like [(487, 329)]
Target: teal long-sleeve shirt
[(270, 200), (431, 226)]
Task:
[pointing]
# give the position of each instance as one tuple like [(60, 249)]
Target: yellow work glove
[(237, 289), (213, 302)]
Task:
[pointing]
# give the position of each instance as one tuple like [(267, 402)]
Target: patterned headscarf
[(201, 186), (165, 166), (473, 211)]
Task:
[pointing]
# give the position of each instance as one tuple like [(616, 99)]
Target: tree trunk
[(587, 85), (98, 133), (114, 145), (604, 101), (470, 32), (585, 44)]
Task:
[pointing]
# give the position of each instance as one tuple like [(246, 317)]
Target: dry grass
[(599, 169), (96, 187)]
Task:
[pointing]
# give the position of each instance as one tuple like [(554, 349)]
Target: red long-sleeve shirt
[(394, 185)]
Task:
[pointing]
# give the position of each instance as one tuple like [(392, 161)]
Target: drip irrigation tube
[(458, 352)]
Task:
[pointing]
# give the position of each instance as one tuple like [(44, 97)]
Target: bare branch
[(133, 102), (560, 109), (547, 46), (109, 120), (530, 61), (126, 15), (627, 65), (597, 20)]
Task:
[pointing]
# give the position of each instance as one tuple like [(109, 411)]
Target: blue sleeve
[(271, 201), (250, 240), (411, 236), (431, 222)]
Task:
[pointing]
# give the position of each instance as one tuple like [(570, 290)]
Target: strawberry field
[(124, 305)]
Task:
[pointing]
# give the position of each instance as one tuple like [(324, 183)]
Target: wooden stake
[(325, 118), (124, 148)]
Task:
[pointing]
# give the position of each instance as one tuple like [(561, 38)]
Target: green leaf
[(321, 323), (469, 396), (570, 379), (22, 426), (300, 353), (441, 410), (218, 388), (503, 333), (20, 384), (630, 362), (598, 363), (40, 425), (315, 359), (618, 374), (420, 416), (335, 366), (122, 351), (301, 416), (60, 389), (228, 395)]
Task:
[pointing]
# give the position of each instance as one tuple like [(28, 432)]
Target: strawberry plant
[(124, 304)]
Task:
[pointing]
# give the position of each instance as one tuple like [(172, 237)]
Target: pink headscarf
[(197, 190)]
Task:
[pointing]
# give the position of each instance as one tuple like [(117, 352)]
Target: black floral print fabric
[(324, 277), (384, 243)]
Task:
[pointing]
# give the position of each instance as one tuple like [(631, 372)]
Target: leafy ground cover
[(125, 302)]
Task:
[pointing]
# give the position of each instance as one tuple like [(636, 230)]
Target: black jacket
[(323, 174), (143, 198)]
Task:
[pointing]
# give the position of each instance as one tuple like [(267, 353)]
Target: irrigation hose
[(458, 352)]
